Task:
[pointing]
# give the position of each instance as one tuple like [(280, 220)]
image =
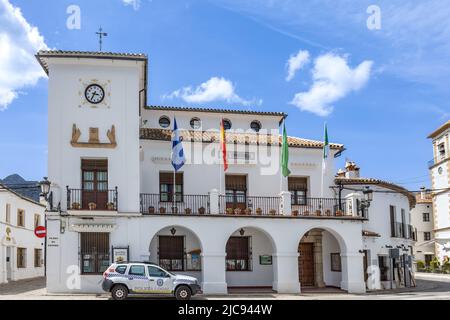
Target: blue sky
[(390, 91)]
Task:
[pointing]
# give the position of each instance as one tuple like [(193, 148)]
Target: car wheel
[(183, 293), (119, 292)]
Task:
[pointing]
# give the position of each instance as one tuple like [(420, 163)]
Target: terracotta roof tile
[(240, 138), (217, 110)]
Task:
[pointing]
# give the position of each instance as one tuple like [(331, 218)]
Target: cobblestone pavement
[(429, 287)]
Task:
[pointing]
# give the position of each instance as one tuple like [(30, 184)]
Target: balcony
[(188, 204), (404, 231), (92, 200), (242, 205)]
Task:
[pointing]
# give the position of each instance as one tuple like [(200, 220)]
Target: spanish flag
[(223, 145)]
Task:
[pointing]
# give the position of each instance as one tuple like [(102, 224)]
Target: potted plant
[(328, 213), (188, 211), (273, 212), (76, 206), (295, 213), (248, 211), (306, 213), (110, 206), (318, 213), (162, 210), (339, 213), (259, 211), (201, 210), (237, 211), (151, 210), (230, 211), (420, 265), (92, 206)]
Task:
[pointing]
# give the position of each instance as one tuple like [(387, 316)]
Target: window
[(384, 269), (121, 269), (164, 122), (402, 211), (441, 150), (94, 252), (426, 217), (227, 124), (238, 254), (37, 220), (171, 252), (392, 214), (236, 191), (298, 187), (428, 259), (21, 258), (166, 187), (20, 218), (195, 123), (255, 125), (156, 272), (137, 270), (427, 236), (8, 213), (37, 258)]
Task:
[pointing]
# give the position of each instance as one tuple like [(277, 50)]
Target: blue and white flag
[(178, 158)]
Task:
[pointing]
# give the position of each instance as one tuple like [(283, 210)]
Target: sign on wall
[(265, 260), (120, 254)]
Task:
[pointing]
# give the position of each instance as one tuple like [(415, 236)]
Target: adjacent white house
[(440, 184), (21, 252), (117, 196), (423, 220)]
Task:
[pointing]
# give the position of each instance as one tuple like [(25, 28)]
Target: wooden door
[(94, 183), (306, 264), (236, 191)]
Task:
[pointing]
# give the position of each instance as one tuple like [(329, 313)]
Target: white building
[(440, 184), (423, 220), (21, 251), (109, 164)]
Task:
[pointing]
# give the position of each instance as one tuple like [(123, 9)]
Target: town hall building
[(115, 196)]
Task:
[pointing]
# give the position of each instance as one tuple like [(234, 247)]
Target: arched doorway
[(177, 249), (249, 262), (319, 260)]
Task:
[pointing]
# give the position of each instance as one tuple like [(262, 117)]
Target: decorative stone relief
[(94, 140)]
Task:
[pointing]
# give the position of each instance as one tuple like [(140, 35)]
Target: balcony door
[(94, 183), (236, 191)]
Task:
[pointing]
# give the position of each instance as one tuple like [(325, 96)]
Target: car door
[(137, 279), (160, 280)]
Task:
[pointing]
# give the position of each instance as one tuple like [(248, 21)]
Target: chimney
[(340, 174), (423, 193), (351, 170)]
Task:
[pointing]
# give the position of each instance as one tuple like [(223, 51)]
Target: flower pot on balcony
[(237, 211), (328, 213), (92, 206), (273, 212), (318, 213), (248, 211), (76, 206), (151, 210), (295, 213), (259, 211), (306, 213), (201, 210), (188, 211), (162, 210), (230, 211), (110, 206), (339, 213)]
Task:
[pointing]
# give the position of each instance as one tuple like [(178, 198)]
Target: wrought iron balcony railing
[(184, 204), (94, 200)]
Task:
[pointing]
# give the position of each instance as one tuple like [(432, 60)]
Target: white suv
[(122, 279)]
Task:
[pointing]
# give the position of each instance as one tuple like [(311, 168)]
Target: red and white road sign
[(40, 232)]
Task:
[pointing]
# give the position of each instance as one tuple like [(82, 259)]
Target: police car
[(122, 279)]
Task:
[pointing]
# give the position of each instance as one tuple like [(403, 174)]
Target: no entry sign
[(40, 232)]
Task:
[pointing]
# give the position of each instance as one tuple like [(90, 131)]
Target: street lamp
[(365, 204), (45, 187), (368, 194)]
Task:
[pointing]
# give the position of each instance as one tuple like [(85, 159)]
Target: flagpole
[(174, 173), (323, 160), (279, 167)]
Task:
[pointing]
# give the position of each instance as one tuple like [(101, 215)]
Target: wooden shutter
[(235, 182), (171, 247), (392, 212), (296, 183), (89, 164), (238, 248), (167, 178)]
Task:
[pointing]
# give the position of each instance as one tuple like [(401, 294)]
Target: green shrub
[(435, 264), (420, 265)]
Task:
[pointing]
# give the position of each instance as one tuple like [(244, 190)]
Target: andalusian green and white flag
[(285, 154), (326, 151)]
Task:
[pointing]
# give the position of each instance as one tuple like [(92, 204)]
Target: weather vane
[(101, 34)]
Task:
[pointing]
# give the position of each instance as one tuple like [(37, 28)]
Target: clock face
[(94, 93)]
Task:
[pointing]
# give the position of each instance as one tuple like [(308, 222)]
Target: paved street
[(429, 287)]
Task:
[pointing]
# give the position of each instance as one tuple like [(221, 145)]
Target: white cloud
[(19, 41), (333, 79), (296, 63), (135, 3), (215, 89)]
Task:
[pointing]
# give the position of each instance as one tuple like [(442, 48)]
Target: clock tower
[(440, 180)]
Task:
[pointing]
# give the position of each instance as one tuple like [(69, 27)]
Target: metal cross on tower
[(101, 34)]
